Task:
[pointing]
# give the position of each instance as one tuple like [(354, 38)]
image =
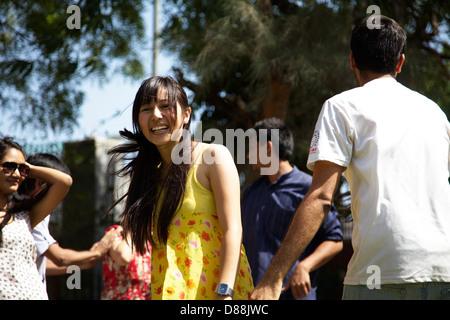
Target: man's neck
[(367, 76), (283, 168)]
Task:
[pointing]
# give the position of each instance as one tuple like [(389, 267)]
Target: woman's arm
[(120, 251), (60, 184), (224, 181)]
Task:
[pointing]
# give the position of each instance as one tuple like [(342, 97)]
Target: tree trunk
[(275, 103)]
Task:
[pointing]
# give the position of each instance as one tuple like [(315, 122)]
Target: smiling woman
[(16, 241), (11, 159), (19, 214), (157, 104), (190, 210), (160, 118)]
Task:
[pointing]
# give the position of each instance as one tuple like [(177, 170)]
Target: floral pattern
[(130, 282), (188, 266)]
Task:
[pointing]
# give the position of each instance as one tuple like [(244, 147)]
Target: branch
[(230, 107), (237, 101), (440, 59), (265, 7)]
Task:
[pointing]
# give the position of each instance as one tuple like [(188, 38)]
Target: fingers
[(287, 286), (301, 291), (300, 286)]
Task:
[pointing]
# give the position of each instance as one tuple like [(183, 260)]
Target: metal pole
[(156, 9)]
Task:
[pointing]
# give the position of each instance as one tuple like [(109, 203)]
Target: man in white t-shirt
[(393, 146)]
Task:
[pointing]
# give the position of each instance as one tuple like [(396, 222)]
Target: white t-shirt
[(395, 145), (43, 240)]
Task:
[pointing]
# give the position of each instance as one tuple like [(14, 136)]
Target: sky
[(107, 106)]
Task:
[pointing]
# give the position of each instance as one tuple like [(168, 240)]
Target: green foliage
[(249, 59), (42, 61), (426, 22)]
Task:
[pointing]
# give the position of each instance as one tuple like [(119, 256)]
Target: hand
[(299, 282), (220, 297), (267, 291), (30, 174), (103, 246)]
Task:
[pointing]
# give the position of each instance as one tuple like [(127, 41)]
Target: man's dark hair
[(29, 184), (378, 50), (286, 143), (49, 161)]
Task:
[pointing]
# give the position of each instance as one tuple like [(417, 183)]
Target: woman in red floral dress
[(126, 274)]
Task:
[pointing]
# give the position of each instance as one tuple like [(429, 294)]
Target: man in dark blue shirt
[(268, 206)]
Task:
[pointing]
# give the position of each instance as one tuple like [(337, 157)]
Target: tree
[(47, 49), (248, 57), (256, 59), (426, 22), (246, 60)]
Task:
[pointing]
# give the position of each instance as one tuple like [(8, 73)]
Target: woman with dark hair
[(186, 204), (19, 277)]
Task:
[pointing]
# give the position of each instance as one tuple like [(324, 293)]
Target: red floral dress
[(130, 282)]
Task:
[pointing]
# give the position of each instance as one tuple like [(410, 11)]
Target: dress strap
[(198, 153)]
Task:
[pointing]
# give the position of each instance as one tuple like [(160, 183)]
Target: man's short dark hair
[(378, 50), (286, 143), (43, 160)]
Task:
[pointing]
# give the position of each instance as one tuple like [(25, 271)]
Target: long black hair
[(6, 144), (152, 200)]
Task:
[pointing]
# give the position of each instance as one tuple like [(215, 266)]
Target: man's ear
[(398, 67), (352, 61), (38, 183), (269, 148)]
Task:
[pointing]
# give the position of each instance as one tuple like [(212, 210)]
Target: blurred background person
[(126, 273), (268, 206)]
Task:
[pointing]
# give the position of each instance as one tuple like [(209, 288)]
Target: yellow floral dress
[(188, 266)]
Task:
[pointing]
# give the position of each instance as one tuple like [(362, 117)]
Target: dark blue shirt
[(267, 211)]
